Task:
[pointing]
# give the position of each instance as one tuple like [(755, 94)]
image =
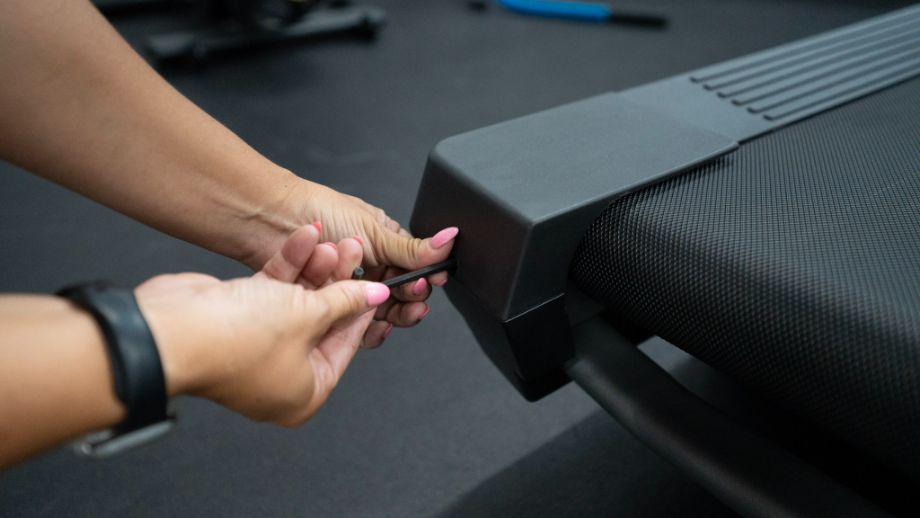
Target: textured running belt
[(792, 264)]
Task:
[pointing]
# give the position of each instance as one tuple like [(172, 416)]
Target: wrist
[(180, 369), (138, 377), (271, 221)]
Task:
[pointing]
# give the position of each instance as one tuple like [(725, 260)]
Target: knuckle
[(395, 315), (318, 307), (354, 299), (411, 248), (272, 269)]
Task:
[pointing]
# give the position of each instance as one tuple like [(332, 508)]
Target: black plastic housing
[(523, 192)]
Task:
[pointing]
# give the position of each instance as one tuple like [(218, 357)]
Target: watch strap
[(137, 371)]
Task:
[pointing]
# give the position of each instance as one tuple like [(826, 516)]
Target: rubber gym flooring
[(424, 426)]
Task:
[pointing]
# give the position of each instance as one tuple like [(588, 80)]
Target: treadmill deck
[(792, 264)]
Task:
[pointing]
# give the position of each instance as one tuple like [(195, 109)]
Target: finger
[(395, 249), (388, 273), (287, 263), (320, 266), (375, 273), (348, 299), (392, 225), (382, 218), (401, 314), (376, 333), (379, 214), (438, 279), (332, 356), (415, 291), (350, 256), (340, 345)]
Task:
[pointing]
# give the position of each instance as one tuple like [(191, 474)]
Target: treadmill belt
[(792, 264)]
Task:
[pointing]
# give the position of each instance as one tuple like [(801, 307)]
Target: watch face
[(111, 442)]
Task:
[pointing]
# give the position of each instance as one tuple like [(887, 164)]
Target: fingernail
[(376, 293), (330, 243), (358, 239), (439, 282), (424, 313), (419, 287), (387, 331), (318, 225), (443, 237)]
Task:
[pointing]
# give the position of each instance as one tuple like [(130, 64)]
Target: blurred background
[(424, 426)]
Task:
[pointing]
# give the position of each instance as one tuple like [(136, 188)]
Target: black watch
[(136, 368)]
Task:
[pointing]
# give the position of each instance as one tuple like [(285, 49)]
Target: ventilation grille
[(828, 69)]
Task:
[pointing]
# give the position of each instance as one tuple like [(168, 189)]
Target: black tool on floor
[(120, 7), (243, 24)]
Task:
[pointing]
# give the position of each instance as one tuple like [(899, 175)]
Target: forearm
[(82, 109), (55, 379), (263, 346)]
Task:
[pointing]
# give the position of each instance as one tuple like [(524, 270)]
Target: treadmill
[(762, 215)]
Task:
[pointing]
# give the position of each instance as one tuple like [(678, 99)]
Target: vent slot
[(878, 28), (821, 71)]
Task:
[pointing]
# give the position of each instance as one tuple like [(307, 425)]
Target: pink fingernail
[(425, 313), (419, 287), (443, 237), (358, 239), (439, 282), (333, 245), (387, 331), (376, 293), (318, 225)]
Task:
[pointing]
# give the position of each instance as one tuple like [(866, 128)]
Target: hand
[(388, 249), (267, 346)]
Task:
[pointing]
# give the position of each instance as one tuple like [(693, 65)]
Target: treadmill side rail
[(764, 91)]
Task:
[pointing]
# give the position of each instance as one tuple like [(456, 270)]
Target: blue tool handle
[(587, 11)]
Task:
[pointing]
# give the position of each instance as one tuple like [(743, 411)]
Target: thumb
[(404, 251), (347, 299)]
